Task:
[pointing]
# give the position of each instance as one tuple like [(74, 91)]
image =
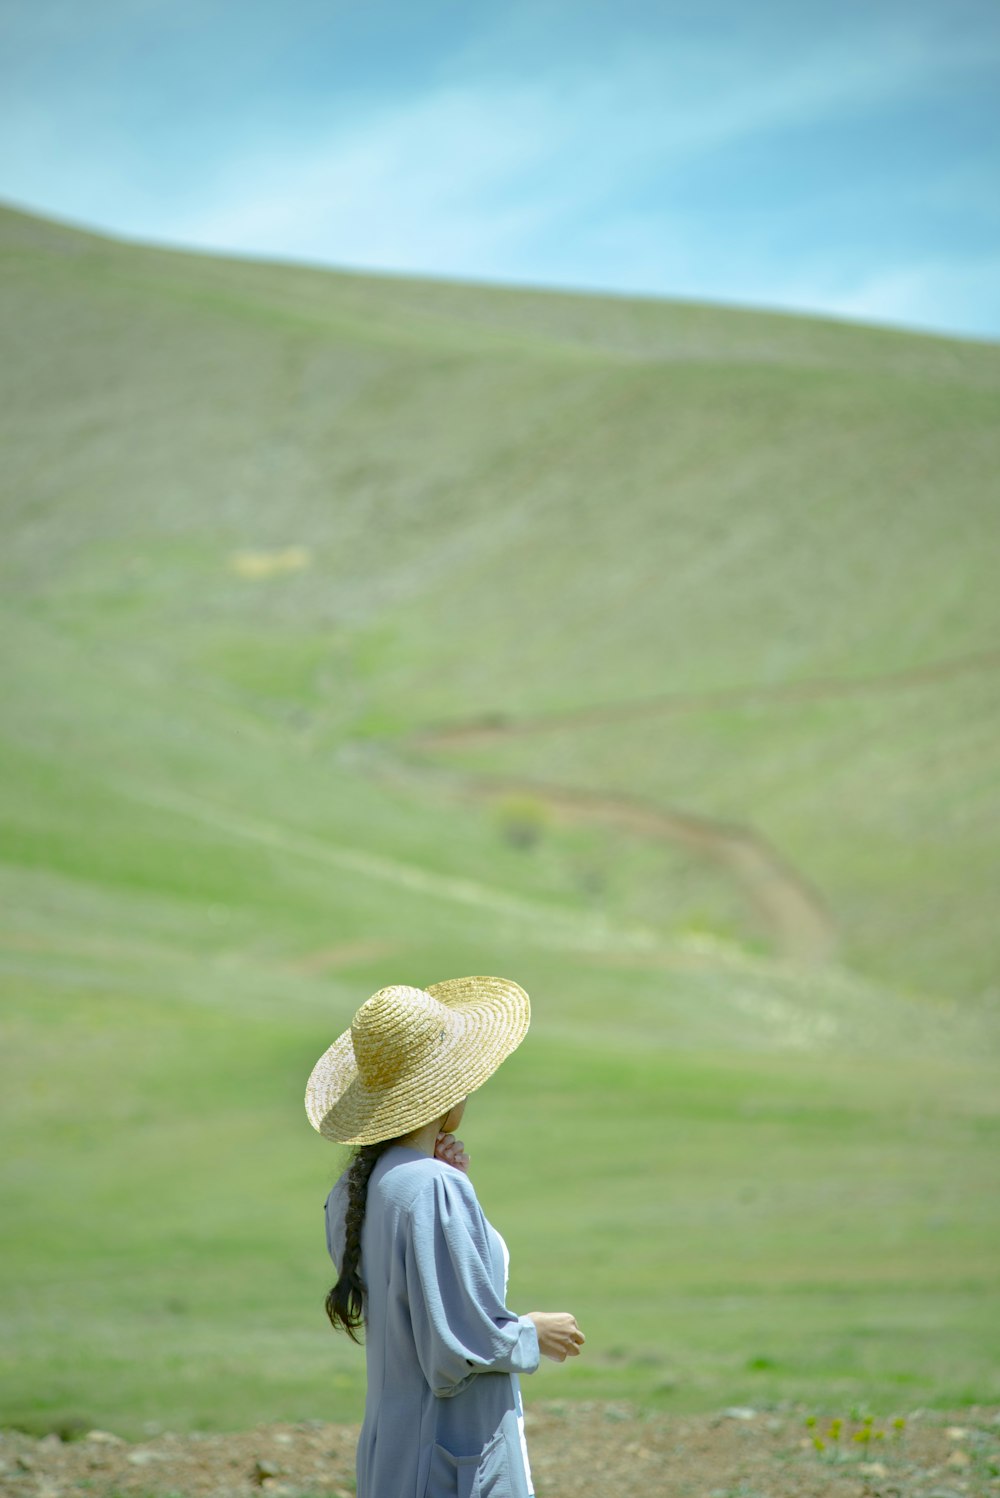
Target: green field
[(717, 589)]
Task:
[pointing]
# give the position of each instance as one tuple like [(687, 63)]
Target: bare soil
[(577, 1451)]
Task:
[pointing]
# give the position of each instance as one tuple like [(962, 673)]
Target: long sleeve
[(461, 1326)]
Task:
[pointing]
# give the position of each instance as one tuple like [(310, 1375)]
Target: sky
[(832, 158)]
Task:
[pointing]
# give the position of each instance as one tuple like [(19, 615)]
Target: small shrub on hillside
[(522, 820)]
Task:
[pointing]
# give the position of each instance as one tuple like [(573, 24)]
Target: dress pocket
[(487, 1474)]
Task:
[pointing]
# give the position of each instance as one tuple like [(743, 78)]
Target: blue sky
[(833, 158)]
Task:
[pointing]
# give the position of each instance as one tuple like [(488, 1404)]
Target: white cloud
[(426, 185), (933, 295), (461, 181)]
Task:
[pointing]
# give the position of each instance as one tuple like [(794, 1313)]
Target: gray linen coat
[(443, 1351)]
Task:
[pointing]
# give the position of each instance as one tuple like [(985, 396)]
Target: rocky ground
[(577, 1451)]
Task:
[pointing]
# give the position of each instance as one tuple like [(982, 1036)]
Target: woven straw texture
[(411, 1054)]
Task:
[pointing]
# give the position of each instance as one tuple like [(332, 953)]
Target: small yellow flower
[(835, 1428), (862, 1435), (819, 1443), (899, 1423), (879, 1435), (810, 1421)]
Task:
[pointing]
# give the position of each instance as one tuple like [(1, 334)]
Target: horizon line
[(541, 288)]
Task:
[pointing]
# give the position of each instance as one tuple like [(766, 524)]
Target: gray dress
[(443, 1351)]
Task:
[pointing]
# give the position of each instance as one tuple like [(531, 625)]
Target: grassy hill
[(360, 630)]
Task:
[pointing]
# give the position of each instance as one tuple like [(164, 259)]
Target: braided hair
[(345, 1303)]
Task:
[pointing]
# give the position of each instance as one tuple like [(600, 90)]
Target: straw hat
[(411, 1054)]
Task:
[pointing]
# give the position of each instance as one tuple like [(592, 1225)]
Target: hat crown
[(394, 1032)]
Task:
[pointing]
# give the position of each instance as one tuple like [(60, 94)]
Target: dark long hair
[(345, 1303)]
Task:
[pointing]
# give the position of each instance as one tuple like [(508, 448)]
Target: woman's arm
[(461, 1326), (559, 1336)]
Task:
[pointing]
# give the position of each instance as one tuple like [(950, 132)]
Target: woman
[(419, 1265)]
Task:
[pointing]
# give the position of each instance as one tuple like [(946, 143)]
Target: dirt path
[(492, 728), (577, 1451), (791, 911)]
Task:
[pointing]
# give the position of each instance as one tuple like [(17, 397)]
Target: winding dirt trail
[(791, 910), (792, 913)]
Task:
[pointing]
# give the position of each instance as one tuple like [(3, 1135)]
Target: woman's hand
[(452, 1152), (559, 1337)]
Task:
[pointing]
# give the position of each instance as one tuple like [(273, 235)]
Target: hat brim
[(489, 1019)]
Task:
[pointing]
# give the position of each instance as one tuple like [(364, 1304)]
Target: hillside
[(728, 562), (360, 630)]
